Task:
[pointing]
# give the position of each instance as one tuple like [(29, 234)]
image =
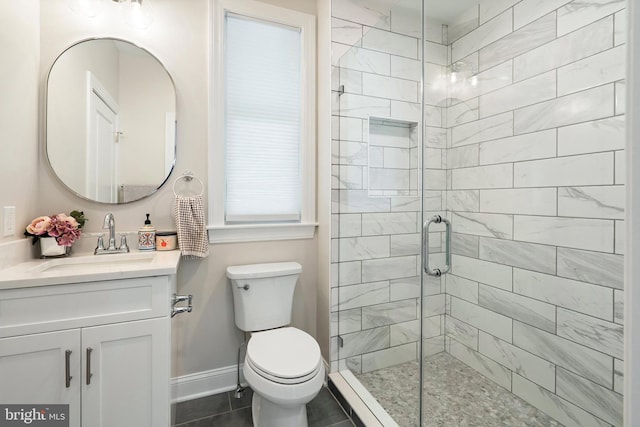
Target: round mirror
[(111, 119)]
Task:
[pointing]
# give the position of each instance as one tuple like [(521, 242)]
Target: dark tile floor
[(224, 410)]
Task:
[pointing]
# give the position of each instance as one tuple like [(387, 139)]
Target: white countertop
[(86, 267)]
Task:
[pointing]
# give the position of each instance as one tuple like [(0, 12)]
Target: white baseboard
[(206, 383)]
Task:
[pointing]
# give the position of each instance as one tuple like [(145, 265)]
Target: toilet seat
[(284, 355), (281, 380)]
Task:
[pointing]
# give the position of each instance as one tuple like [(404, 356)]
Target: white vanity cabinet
[(32, 368), (102, 347), (125, 379)]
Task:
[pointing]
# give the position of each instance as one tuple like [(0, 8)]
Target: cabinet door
[(128, 385), (33, 369)]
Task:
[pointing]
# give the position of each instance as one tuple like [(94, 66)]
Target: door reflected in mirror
[(111, 117)]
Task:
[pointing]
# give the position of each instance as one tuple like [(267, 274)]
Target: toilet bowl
[(284, 369), (283, 365)]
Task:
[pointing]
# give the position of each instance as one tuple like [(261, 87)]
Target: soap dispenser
[(147, 236)]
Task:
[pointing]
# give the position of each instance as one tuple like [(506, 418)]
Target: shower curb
[(355, 406)]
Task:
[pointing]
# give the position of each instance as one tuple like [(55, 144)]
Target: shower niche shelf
[(393, 157)]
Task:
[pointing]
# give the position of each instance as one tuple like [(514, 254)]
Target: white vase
[(49, 248)]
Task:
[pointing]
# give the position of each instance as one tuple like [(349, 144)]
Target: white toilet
[(283, 365)]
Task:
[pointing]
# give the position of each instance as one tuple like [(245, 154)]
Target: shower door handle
[(437, 219)]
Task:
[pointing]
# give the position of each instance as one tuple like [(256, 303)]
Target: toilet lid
[(286, 355)]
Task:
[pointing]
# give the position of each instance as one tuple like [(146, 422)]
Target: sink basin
[(96, 262)]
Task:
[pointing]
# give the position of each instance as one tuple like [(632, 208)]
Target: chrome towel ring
[(188, 177)]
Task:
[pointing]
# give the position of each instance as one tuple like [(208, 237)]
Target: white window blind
[(262, 121)]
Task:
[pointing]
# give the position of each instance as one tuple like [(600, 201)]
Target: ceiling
[(447, 10)]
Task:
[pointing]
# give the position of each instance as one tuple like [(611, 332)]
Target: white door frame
[(97, 92), (632, 250)]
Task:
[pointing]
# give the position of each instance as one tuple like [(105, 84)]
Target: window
[(262, 161)]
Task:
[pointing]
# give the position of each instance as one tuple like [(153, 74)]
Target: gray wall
[(19, 45)]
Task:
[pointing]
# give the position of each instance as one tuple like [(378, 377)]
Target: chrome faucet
[(110, 223)]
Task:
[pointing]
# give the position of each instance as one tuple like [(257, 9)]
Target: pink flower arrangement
[(64, 228)]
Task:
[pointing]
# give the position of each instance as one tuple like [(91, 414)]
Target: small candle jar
[(166, 240)]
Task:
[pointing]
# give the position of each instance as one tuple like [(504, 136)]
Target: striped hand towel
[(192, 234)]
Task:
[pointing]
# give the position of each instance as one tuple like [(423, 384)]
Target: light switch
[(9, 221)]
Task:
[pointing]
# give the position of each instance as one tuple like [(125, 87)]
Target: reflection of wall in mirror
[(146, 95), (67, 107)]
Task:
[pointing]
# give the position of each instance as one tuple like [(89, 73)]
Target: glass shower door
[(377, 209)]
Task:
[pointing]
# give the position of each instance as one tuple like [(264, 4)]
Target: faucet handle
[(123, 243), (99, 246)]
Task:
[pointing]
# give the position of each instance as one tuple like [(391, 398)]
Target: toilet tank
[(263, 294)]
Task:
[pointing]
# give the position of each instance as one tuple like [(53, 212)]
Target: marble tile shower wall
[(377, 54), (528, 164), (535, 166)]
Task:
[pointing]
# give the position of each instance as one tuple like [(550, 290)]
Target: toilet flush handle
[(179, 298), (246, 287)]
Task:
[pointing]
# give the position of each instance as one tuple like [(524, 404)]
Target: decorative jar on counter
[(166, 240), (147, 236)]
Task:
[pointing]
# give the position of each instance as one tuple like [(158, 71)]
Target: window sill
[(260, 232)]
